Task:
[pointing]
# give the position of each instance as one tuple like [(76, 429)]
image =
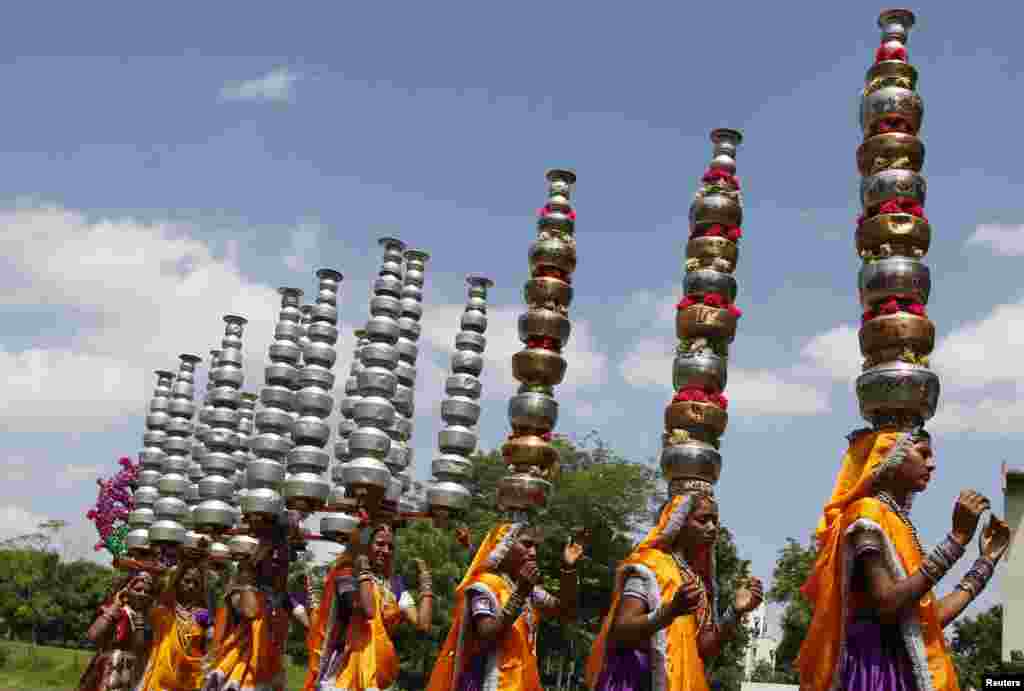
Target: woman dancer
[(663, 622), (120, 634), (180, 620), (247, 653), (877, 623), (493, 640), (360, 609)]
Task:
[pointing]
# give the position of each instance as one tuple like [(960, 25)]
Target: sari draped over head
[(508, 664), (673, 660), (356, 654), (851, 508), (248, 654), (120, 656), (176, 654), (326, 611)]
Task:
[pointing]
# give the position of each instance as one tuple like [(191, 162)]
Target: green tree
[(977, 648), (792, 568)]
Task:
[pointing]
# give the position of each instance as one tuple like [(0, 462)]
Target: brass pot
[(538, 367), (897, 332), (529, 450), (892, 184), (901, 231), (701, 321), (541, 291), (716, 208), (705, 418), (522, 491), (892, 68), (544, 323), (707, 249), (889, 148), (891, 102), (553, 252)]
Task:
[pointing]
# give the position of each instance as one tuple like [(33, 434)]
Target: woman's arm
[(364, 601), (103, 624), (490, 625)]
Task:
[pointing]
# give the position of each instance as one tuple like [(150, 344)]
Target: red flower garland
[(892, 306), (899, 205), (545, 210), (552, 272), (716, 174), (885, 52), (733, 233), (545, 343), (711, 300), (114, 501), (698, 395)]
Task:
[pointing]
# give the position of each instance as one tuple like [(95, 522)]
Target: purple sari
[(875, 658), (626, 669)]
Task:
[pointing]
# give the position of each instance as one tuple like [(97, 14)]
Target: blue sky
[(163, 166)]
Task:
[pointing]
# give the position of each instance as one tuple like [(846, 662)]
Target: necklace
[(889, 501), (703, 608), (184, 617)]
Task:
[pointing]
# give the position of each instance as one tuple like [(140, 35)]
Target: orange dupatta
[(676, 664), (852, 507), (512, 666), (248, 654)]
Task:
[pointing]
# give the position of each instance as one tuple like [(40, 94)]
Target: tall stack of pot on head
[(195, 469), (400, 455), (305, 489), (215, 515), (265, 474), (705, 325), (544, 329), (449, 495), (367, 478), (171, 511), (896, 389), (151, 460)]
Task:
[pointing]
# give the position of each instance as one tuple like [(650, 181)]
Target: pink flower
[(735, 311), (714, 300), (916, 308), (891, 306)]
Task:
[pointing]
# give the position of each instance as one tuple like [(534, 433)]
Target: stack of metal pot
[(215, 514), (449, 494), (151, 460), (896, 389), (340, 519), (195, 469), (170, 510), (367, 478), (270, 445), (544, 329), (305, 489), (705, 325), (400, 455)]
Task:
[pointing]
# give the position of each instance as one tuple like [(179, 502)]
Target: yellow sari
[(176, 657), (248, 654), (675, 661), (852, 508), (510, 664)]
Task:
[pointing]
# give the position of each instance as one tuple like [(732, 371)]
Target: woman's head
[(911, 471), (382, 548), (522, 551), (140, 591), (700, 527), (190, 587)]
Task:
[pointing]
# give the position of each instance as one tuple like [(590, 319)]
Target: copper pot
[(522, 491), (538, 367), (707, 249), (897, 332), (544, 323), (529, 450), (703, 417), (553, 252), (716, 208), (891, 69), (890, 150), (541, 291), (904, 233), (701, 321)]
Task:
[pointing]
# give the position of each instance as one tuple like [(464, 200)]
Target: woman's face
[(191, 583), (915, 472), (381, 550), (522, 552), (701, 526), (140, 591)]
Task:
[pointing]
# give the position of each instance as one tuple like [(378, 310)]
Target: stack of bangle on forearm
[(426, 585), (975, 580), (941, 559), (510, 612)]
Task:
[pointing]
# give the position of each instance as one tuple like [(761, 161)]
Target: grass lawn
[(27, 667)]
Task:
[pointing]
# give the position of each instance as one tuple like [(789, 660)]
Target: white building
[(1013, 576), (762, 642)]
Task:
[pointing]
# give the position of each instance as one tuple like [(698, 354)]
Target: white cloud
[(73, 475), (759, 392), (1003, 240), (834, 354), (140, 293), (16, 521), (305, 239), (983, 352), (277, 85)]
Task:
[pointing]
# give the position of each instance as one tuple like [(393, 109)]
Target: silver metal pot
[(704, 281), (894, 277), (533, 411), (702, 369), (692, 460), (897, 389)]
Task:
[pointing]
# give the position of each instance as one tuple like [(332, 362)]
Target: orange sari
[(355, 655), (852, 508), (248, 654), (676, 664), (511, 663)]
